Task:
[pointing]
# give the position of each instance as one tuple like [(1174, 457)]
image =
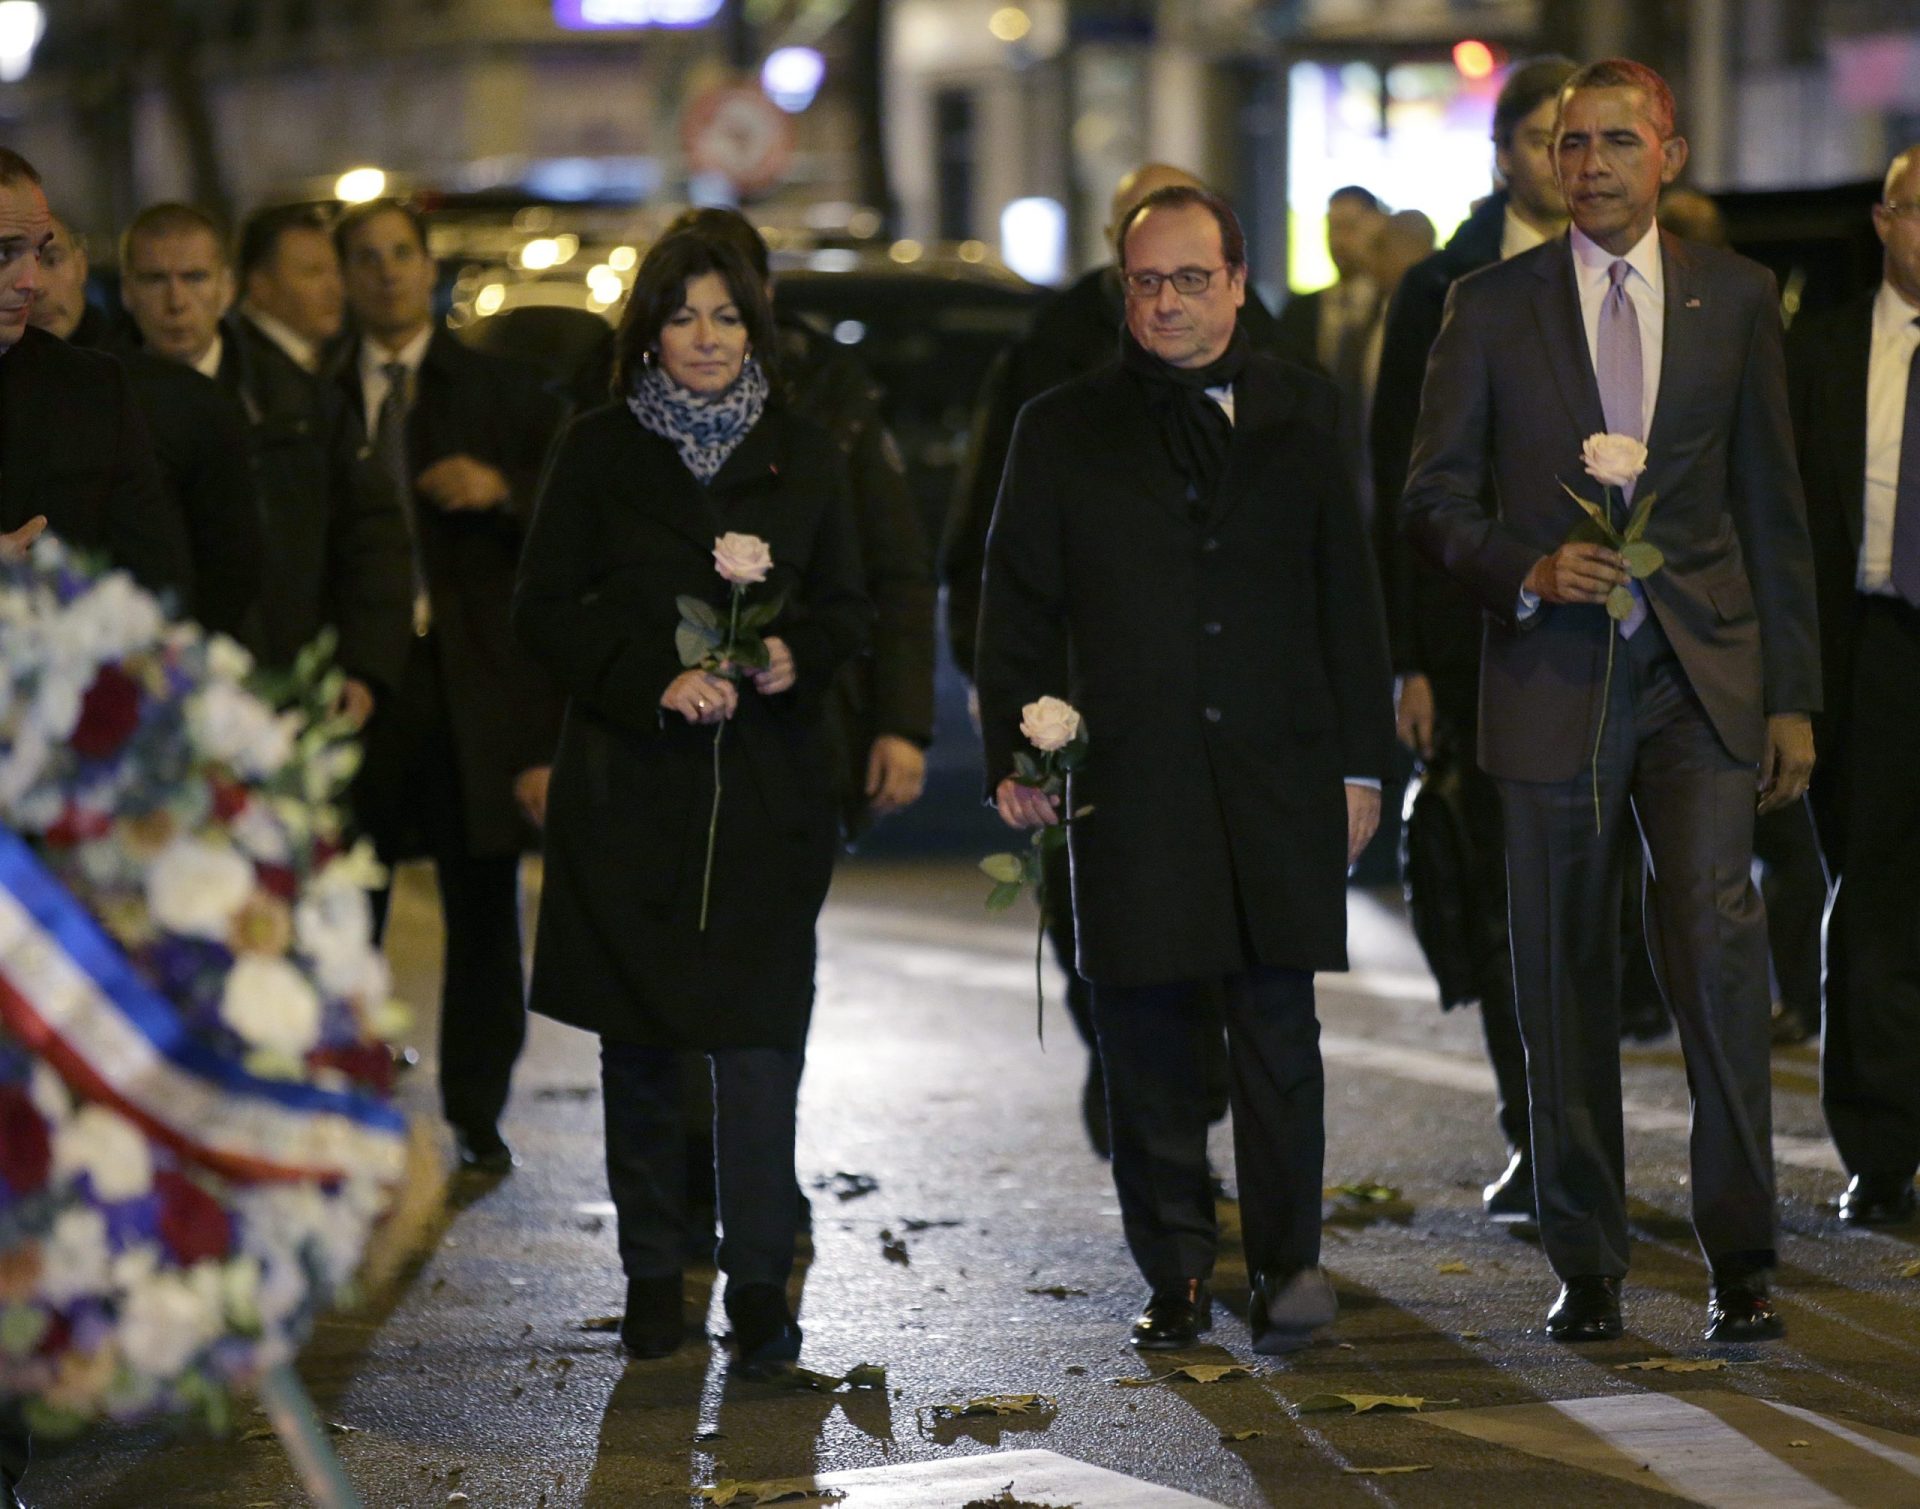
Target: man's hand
[(896, 774), (461, 483), (530, 791), (1577, 573), (779, 675), (1363, 820), (15, 544), (1024, 806), (1413, 713), (1787, 765), (355, 703), (701, 697)]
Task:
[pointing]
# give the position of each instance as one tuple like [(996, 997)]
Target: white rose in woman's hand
[(743, 559), (1050, 724), (1613, 460)]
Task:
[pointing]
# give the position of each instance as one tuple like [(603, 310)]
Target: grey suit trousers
[(1664, 778)]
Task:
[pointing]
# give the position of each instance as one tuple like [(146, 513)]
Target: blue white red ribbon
[(70, 995)]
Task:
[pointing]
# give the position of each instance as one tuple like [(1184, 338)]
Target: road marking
[(1452, 1071), (1709, 1447), (1043, 1476)]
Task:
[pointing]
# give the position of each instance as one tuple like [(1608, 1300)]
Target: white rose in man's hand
[(1050, 724), (1613, 460), (743, 559)]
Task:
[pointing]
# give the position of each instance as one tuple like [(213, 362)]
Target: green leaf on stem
[(1051, 838), (1026, 767), (1003, 896), (1597, 514), (1642, 512), (1643, 558), (761, 614), (693, 610), (750, 650), (1003, 869), (694, 644), (1620, 604)]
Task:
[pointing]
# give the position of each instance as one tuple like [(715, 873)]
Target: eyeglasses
[(1186, 281)]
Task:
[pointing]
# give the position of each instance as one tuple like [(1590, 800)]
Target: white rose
[(109, 1149), (257, 833), (166, 1321), (228, 660), (333, 925), (56, 705), (271, 1005), (1613, 460), (229, 724), (78, 1263), (1050, 724), (112, 617), (195, 887), (743, 559)]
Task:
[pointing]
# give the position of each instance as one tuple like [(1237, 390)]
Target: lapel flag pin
[(1693, 303)]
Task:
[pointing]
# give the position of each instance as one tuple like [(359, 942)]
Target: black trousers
[(16, 1449), (755, 1095), (1154, 1043), (1793, 882), (483, 1003), (1663, 772), (1870, 1052)]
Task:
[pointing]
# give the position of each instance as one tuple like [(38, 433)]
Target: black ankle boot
[(764, 1330), (652, 1326)]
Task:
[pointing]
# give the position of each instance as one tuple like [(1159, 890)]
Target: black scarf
[(1193, 426)]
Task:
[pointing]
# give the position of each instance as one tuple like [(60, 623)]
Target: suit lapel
[(1556, 309), (1680, 340)]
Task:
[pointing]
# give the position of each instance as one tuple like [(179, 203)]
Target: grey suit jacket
[(1510, 395)]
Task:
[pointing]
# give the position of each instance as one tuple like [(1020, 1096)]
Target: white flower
[(168, 1320), (229, 724), (333, 926), (1049, 724), (271, 1005), (195, 887), (258, 835), (110, 619), (227, 660), (109, 1149), (55, 709), (50, 1095), (23, 765), (77, 1260), (1613, 460), (743, 559)]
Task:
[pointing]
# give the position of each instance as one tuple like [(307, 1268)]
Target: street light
[(22, 24)]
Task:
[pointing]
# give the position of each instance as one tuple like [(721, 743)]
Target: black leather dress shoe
[(1174, 1317), (1287, 1308), (1509, 1199), (1588, 1309), (765, 1334), (484, 1153), (652, 1326), (1739, 1309), (1877, 1202)]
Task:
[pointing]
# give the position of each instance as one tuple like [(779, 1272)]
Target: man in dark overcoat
[(1179, 528), (1855, 378), (1656, 725), (462, 435)]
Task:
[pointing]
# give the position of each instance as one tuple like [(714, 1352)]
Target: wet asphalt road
[(476, 1378)]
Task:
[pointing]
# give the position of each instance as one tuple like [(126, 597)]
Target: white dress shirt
[(209, 363), (302, 352), (374, 358), (1889, 363), (1647, 286)]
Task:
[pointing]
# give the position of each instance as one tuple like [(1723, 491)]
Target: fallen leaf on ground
[(1361, 1403), (894, 1250), (1241, 1435), (1381, 1472), (863, 1375), (916, 1224), (600, 1323), (1211, 1372), (1910, 1270), (1059, 1291), (847, 1186), (776, 1491), (992, 1404), (866, 1375), (1673, 1365), (1004, 1499), (1473, 1336), (1453, 1265), (1367, 1191), (1799, 1443)]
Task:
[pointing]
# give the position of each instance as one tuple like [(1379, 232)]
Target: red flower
[(229, 798), (277, 880), (109, 713), (367, 1064), (26, 1151), (78, 824), (192, 1224)]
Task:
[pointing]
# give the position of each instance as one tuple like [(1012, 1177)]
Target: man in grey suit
[(1665, 720)]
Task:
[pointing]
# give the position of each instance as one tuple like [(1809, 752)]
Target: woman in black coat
[(635, 501)]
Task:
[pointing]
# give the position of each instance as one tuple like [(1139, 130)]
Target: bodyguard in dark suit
[(462, 436), (1178, 528), (1856, 411), (1669, 718), (336, 543), (74, 455)]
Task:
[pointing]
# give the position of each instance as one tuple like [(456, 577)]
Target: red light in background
[(1475, 60)]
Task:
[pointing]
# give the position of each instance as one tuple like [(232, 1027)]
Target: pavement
[(986, 1260)]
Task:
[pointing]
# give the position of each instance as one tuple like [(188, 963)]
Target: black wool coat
[(73, 446), (1232, 673), (623, 531), (503, 710)]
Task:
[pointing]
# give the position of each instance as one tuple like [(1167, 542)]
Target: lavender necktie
[(1617, 365), (1906, 495)]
